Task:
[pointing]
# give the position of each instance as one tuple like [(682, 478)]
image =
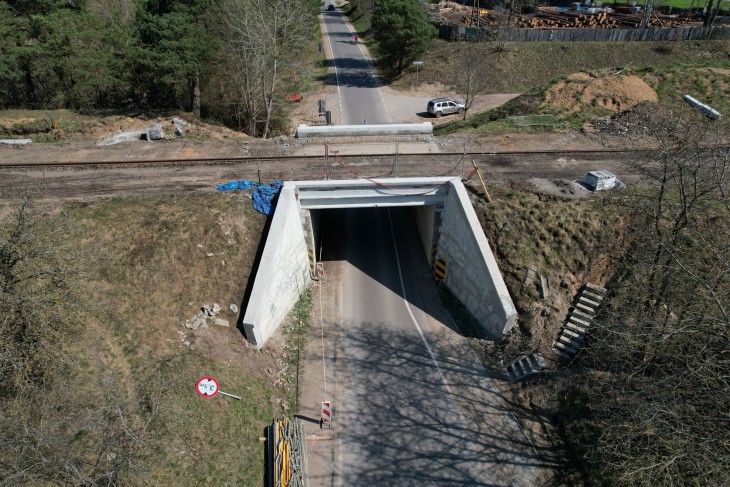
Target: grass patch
[(559, 236), (154, 273), (295, 331), (524, 66), (495, 120), (708, 82)]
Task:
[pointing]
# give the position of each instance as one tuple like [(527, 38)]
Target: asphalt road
[(360, 100), (412, 404)]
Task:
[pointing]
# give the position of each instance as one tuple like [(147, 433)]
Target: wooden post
[(484, 186)]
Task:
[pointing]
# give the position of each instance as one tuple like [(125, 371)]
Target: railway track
[(88, 180), (308, 158)]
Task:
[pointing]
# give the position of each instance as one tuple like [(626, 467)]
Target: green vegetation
[(402, 31), (295, 331), (681, 4), (642, 403), (496, 120), (671, 69), (98, 383), (707, 82), (157, 55)]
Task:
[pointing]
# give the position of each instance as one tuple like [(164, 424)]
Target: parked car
[(445, 106)]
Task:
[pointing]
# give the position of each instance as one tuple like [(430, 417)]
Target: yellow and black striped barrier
[(440, 269)]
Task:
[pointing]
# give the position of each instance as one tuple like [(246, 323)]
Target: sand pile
[(583, 90)]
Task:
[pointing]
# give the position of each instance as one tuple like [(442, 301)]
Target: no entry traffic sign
[(207, 387)]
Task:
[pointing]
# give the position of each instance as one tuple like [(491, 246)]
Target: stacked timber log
[(547, 18)]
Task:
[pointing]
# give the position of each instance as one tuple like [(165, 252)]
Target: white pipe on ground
[(706, 109)]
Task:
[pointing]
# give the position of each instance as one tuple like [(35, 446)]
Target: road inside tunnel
[(412, 405)]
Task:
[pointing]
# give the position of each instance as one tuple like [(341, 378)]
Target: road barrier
[(286, 454), (326, 417), (440, 270)]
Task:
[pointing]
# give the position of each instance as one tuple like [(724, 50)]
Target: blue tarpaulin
[(263, 196), (245, 184)]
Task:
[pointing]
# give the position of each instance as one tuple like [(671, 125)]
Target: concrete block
[(587, 302)]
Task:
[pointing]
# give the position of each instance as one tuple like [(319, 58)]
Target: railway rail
[(306, 158), (60, 181)]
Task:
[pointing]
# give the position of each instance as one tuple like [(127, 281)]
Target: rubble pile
[(209, 312), (641, 120)]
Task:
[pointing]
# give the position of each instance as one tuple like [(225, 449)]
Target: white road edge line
[(408, 307), (433, 357), (334, 64)]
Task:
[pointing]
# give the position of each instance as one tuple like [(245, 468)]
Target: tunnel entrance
[(319, 219)]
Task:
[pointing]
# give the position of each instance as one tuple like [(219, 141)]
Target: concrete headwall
[(471, 270), (283, 271)]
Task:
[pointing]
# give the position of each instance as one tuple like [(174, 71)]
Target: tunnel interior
[(354, 234)]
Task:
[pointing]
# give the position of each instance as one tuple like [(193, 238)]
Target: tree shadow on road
[(409, 423)]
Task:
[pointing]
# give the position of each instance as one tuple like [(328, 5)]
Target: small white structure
[(600, 180), (15, 141)]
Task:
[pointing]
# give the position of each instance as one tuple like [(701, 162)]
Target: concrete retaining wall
[(308, 131), (424, 222), (283, 271), (471, 270)]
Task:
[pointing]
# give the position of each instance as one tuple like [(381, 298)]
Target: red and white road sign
[(326, 418), (207, 387)]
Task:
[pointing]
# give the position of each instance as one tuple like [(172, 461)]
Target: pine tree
[(402, 30)]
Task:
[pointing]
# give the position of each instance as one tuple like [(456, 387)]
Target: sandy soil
[(582, 90)]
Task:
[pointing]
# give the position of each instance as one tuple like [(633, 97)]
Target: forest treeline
[(233, 60)]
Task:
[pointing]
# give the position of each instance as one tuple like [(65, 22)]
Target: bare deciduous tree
[(265, 39), (470, 74), (655, 398)]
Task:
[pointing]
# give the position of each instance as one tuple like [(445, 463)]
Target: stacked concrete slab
[(579, 320), (525, 366)]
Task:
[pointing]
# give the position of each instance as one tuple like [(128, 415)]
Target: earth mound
[(581, 90)]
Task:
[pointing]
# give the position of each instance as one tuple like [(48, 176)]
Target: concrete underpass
[(446, 226), (411, 403)]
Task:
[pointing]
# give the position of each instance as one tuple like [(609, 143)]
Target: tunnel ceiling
[(369, 194)]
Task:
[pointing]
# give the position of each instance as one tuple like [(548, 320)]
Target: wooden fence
[(460, 32)]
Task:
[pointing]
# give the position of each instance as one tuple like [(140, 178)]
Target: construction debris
[(155, 132), (524, 367), (15, 141), (530, 276), (601, 181)]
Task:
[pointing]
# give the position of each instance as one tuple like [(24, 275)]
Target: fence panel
[(456, 32)]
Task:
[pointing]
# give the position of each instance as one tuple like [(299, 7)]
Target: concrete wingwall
[(425, 216), (472, 274), (283, 271)]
